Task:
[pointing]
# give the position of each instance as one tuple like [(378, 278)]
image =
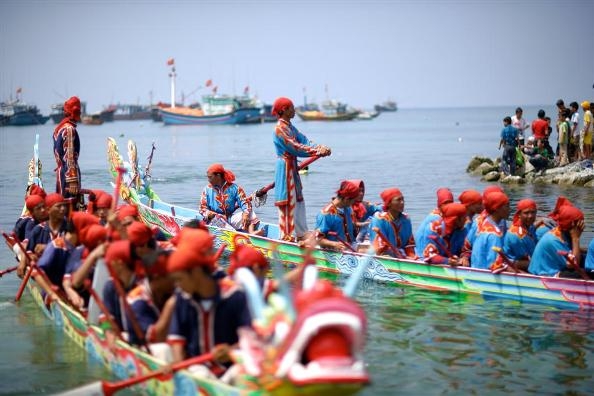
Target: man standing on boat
[(290, 144), (67, 149)]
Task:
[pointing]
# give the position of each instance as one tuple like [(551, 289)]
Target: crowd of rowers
[(178, 293)]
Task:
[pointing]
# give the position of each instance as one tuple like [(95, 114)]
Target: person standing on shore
[(67, 149), (509, 141), (290, 144), (520, 124)]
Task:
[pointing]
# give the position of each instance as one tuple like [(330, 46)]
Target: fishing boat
[(18, 113), (125, 112), (330, 111), (215, 109), (367, 115), (386, 106), (287, 352), (558, 292), (92, 119)]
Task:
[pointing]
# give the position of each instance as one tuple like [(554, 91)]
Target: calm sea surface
[(419, 342)]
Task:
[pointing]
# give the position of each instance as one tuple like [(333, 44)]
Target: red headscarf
[(184, 258), (389, 194), (281, 104), (103, 201), (246, 256), (567, 217), (470, 197), (218, 168), (451, 212), (72, 108), (53, 199), (139, 233), (82, 220), (488, 190), (159, 267), (197, 240), (561, 201), (348, 190), (32, 201), (523, 205), (494, 200), (444, 196), (36, 190), (118, 250), (92, 236), (127, 210)]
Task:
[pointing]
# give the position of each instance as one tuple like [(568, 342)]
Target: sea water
[(418, 342)]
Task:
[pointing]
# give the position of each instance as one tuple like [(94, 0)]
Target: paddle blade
[(94, 389)]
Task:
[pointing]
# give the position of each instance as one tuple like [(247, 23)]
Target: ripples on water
[(419, 342)]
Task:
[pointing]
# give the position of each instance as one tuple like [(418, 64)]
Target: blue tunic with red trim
[(202, 324), (519, 242), (54, 259), (546, 260), (224, 200), (398, 231), (336, 220), (145, 311), (488, 236), (590, 257), (24, 226), (42, 234), (113, 303), (289, 144)]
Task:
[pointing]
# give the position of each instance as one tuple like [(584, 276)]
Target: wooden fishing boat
[(272, 358), (215, 109), (330, 111), (558, 292)]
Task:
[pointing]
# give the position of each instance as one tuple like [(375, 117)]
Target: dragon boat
[(309, 342), (552, 291)]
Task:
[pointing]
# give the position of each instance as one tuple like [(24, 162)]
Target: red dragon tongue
[(328, 343)]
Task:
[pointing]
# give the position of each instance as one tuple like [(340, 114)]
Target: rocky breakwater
[(578, 173)]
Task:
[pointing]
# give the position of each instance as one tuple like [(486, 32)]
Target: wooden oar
[(387, 242), (24, 283), (109, 388), (114, 326), (506, 259), (435, 239), (341, 240), (261, 192), (8, 270), (576, 266)]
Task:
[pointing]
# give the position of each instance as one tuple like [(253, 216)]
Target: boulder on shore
[(580, 173)]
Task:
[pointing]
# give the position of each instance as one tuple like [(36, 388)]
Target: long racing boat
[(558, 292)]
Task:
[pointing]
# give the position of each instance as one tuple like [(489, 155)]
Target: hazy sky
[(418, 53)]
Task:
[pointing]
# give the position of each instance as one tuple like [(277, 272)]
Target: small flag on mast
[(214, 90), (19, 90), (208, 83), (246, 90), (170, 62)]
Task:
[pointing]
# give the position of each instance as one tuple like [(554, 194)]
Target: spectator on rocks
[(509, 141), (574, 136)]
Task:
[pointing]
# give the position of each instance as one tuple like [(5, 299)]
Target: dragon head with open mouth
[(310, 343)]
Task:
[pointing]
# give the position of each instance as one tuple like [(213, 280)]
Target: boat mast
[(172, 75)]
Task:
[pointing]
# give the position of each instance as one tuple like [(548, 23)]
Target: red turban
[(281, 104), (444, 196), (494, 200), (103, 200), (32, 201), (523, 205), (561, 201), (348, 190), (139, 233), (491, 189), (567, 216), (53, 199), (127, 210), (451, 212), (92, 236), (118, 250), (358, 183), (82, 220), (218, 168), (246, 256), (184, 259), (388, 195), (197, 240), (72, 108), (470, 197), (36, 190)]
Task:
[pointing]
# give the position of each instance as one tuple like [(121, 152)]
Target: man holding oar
[(335, 224), (290, 144)]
